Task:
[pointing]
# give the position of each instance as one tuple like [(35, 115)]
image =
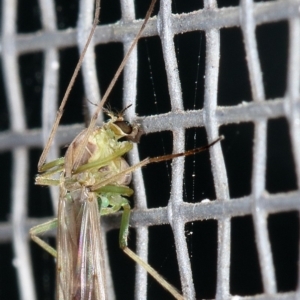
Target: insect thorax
[(102, 157)]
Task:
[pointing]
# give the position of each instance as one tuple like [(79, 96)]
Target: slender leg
[(123, 234), (42, 228), (123, 245)]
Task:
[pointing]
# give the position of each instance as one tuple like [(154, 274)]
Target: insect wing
[(80, 272)]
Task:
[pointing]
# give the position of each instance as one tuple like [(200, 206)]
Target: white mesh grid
[(259, 204)]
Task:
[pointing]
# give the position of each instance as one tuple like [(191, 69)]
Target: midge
[(93, 178)]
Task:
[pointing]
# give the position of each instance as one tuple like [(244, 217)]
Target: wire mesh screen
[(222, 224)]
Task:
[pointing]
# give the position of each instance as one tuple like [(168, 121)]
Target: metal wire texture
[(257, 112)]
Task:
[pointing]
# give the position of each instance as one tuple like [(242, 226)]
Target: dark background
[(234, 88)]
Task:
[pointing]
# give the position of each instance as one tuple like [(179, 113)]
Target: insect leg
[(42, 228), (123, 245), (123, 234)]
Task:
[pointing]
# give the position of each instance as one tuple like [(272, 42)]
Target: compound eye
[(124, 126)]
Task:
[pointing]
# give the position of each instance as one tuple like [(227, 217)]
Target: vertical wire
[(166, 34), (259, 150), (292, 101), (218, 164), (22, 260), (50, 88), (140, 197), (88, 68)]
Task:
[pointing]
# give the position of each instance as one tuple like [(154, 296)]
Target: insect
[(93, 178)]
